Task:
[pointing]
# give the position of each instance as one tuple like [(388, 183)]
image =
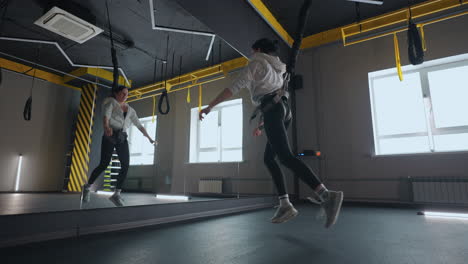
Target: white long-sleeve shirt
[(112, 110), (262, 76)]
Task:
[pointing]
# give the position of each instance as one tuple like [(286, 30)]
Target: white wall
[(334, 114), (43, 141)]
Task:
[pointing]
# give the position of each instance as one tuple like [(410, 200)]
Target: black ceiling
[(328, 14), (131, 20)]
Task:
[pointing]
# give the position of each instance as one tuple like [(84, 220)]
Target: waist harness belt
[(268, 101)]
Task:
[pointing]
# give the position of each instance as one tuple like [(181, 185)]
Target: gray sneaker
[(85, 195), (314, 198), (117, 200), (284, 214), (332, 207)]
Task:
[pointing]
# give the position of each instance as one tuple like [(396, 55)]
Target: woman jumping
[(263, 77)]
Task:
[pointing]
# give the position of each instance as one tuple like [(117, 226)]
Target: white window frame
[(133, 129), (423, 70), (196, 135)]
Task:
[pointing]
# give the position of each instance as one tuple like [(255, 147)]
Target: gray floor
[(362, 235), (24, 203)]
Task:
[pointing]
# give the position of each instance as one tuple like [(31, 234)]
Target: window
[(218, 138), (427, 112), (141, 151)]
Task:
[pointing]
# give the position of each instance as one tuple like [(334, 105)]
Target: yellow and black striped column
[(82, 142)]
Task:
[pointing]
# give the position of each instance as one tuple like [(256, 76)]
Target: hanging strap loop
[(397, 57), (164, 97)]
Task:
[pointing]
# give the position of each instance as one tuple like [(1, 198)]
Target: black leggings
[(277, 121), (107, 148)]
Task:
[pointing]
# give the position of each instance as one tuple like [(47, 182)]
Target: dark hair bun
[(266, 45), (117, 89)]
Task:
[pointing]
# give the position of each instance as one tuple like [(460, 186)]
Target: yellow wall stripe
[(82, 118), (85, 117), (80, 142), (71, 185), (85, 111), (73, 178), (87, 97), (81, 149), (80, 159), (78, 170), (86, 104)]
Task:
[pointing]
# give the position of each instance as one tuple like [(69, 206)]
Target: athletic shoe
[(332, 207), (314, 198), (85, 194), (116, 199), (284, 214)]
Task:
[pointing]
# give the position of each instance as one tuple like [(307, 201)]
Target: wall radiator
[(210, 185), (446, 190)]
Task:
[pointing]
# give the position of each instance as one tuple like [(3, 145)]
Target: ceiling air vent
[(67, 25)]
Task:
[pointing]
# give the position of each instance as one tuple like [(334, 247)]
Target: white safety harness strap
[(278, 97)]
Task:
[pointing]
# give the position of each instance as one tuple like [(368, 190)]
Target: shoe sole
[(313, 200), (335, 218), (286, 218)]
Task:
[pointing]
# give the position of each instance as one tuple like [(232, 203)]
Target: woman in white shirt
[(118, 116), (263, 77)]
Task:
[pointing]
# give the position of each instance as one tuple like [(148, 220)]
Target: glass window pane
[(398, 106), (151, 128), (141, 151), (454, 142), (208, 156), (232, 155), (209, 131), (449, 93), (403, 145), (135, 140), (231, 127)]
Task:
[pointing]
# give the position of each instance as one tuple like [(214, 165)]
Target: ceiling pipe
[(180, 30), (65, 55)]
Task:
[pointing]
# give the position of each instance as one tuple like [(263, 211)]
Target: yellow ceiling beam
[(271, 20), (392, 18), (31, 71), (97, 72), (202, 76), (379, 22)]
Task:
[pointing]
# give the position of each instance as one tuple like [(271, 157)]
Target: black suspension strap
[(358, 15), (155, 70), (415, 45), (173, 64), (115, 62), (164, 97), (303, 16), (212, 54), (27, 111), (219, 54), (180, 67)]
